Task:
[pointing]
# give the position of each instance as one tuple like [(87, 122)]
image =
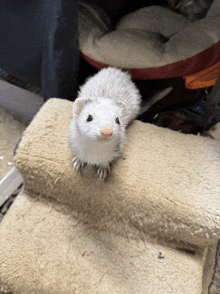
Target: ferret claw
[(103, 171), (77, 164)]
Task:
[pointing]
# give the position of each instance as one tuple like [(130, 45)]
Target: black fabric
[(39, 41)]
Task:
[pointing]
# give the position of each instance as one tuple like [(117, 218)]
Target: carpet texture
[(151, 227)]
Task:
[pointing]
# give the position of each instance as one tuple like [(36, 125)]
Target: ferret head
[(99, 118)]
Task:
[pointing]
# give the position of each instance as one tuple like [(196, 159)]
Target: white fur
[(117, 85), (108, 95), (84, 137)]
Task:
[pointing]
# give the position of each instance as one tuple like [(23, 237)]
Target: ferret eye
[(117, 121), (89, 118)]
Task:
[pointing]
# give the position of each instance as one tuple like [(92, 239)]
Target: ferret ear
[(122, 107), (78, 105)]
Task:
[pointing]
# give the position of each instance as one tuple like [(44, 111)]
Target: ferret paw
[(77, 164), (103, 171)]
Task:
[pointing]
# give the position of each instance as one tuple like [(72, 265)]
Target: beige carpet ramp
[(151, 227)]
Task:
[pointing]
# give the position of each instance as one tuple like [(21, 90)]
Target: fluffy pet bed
[(152, 42), (151, 227)]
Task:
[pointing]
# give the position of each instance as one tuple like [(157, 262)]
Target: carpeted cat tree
[(151, 227)]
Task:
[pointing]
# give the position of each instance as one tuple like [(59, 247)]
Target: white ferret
[(106, 104)]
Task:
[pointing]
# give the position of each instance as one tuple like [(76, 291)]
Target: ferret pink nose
[(106, 133)]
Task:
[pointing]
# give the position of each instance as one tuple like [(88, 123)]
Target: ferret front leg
[(77, 164), (103, 170)]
